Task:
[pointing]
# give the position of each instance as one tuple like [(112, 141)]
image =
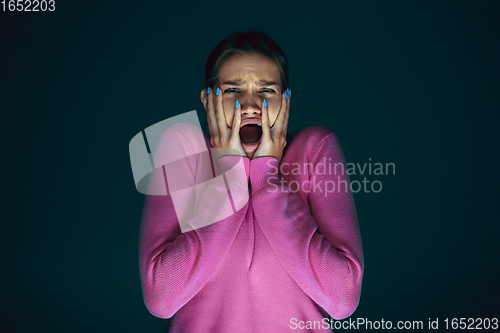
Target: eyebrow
[(259, 83)]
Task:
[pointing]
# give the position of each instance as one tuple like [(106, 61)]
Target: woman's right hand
[(226, 138)]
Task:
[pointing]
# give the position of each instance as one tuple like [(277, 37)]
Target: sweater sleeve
[(320, 245), (175, 265)]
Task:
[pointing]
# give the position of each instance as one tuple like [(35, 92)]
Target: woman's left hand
[(273, 139)]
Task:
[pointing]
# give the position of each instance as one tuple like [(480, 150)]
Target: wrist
[(264, 172), (235, 167)]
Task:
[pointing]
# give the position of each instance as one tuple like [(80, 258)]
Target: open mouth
[(250, 134)]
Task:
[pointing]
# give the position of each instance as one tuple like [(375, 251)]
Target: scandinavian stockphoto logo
[(328, 177), (171, 157)]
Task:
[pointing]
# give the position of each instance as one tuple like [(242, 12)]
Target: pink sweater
[(293, 252)]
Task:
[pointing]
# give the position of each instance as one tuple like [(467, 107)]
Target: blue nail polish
[(288, 90), (236, 104), (217, 92), (286, 96), (208, 91), (265, 103)]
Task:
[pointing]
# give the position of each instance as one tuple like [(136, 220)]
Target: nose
[(250, 105)]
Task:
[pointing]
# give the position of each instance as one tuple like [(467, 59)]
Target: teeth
[(252, 124)]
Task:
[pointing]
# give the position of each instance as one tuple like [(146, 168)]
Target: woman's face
[(249, 78)]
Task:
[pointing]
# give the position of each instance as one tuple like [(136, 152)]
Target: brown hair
[(252, 41)]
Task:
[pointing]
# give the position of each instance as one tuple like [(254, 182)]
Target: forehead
[(255, 65)]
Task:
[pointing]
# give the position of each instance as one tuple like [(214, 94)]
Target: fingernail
[(236, 104), (217, 91), (265, 103), (287, 89), (286, 96), (208, 91)]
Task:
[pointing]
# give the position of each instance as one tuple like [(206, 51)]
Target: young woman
[(292, 255)]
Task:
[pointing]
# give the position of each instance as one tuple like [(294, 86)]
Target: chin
[(250, 149)]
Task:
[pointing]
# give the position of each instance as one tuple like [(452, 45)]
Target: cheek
[(229, 111), (274, 109), (273, 114)]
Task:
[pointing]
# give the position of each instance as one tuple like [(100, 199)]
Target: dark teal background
[(412, 83)]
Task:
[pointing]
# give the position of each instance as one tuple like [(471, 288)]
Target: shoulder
[(192, 137), (312, 142), (312, 135)]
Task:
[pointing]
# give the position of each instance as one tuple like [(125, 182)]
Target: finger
[(266, 130), (212, 121), (278, 124), (205, 104), (285, 122), (235, 130), (209, 128), (219, 113), (284, 131)]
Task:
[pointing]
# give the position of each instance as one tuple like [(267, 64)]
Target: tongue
[(250, 133)]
